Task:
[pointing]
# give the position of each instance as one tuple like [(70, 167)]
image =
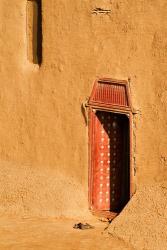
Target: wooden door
[(110, 161)]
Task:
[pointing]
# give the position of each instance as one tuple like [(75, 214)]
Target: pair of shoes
[(83, 226)]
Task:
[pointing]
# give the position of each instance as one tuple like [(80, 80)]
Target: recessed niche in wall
[(34, 31), (110, 147)]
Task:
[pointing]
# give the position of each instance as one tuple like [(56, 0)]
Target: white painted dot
[(107, 200), (108, 161), (107, 192), (101, 184), (102, 154), (113, 192), (108, 146), (101, 169), (113, 184), (100, 192), (108, 154), (108, 169), (114, 124), (107, 184), (101, 177), (102, 139), (108, 177), (114, 146), (102, 131), (113, 169), (102, 147), (101, 162), (114, 161), (100, 200), (113, 199), (114, 153)]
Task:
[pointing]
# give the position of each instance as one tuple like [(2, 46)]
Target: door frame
[(119, 110)]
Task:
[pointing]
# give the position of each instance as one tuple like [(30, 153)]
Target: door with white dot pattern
[(110, 185)]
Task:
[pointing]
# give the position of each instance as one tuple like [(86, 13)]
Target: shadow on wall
[(34, 31)]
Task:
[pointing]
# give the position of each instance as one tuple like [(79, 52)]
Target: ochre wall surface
[(43, 136)]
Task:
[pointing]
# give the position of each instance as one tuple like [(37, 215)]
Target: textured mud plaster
[(136, 116), (134, 143), (142, 224), (28, 192), (41, 124)]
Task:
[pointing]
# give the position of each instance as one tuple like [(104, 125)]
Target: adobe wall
[(43, 136)]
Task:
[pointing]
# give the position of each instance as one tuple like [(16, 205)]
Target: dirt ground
[(43, 135), (55, 234)]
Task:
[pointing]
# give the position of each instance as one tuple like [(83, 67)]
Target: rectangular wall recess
[(34, 31), (110, 147)]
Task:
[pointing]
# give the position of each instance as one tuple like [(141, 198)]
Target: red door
[(110, 172)]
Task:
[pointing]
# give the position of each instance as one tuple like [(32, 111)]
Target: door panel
[(110, 157)]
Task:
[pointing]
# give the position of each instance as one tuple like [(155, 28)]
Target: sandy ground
[(43, 133), (55, 234)]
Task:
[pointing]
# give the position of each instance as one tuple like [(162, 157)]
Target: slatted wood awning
[(110, 93)]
